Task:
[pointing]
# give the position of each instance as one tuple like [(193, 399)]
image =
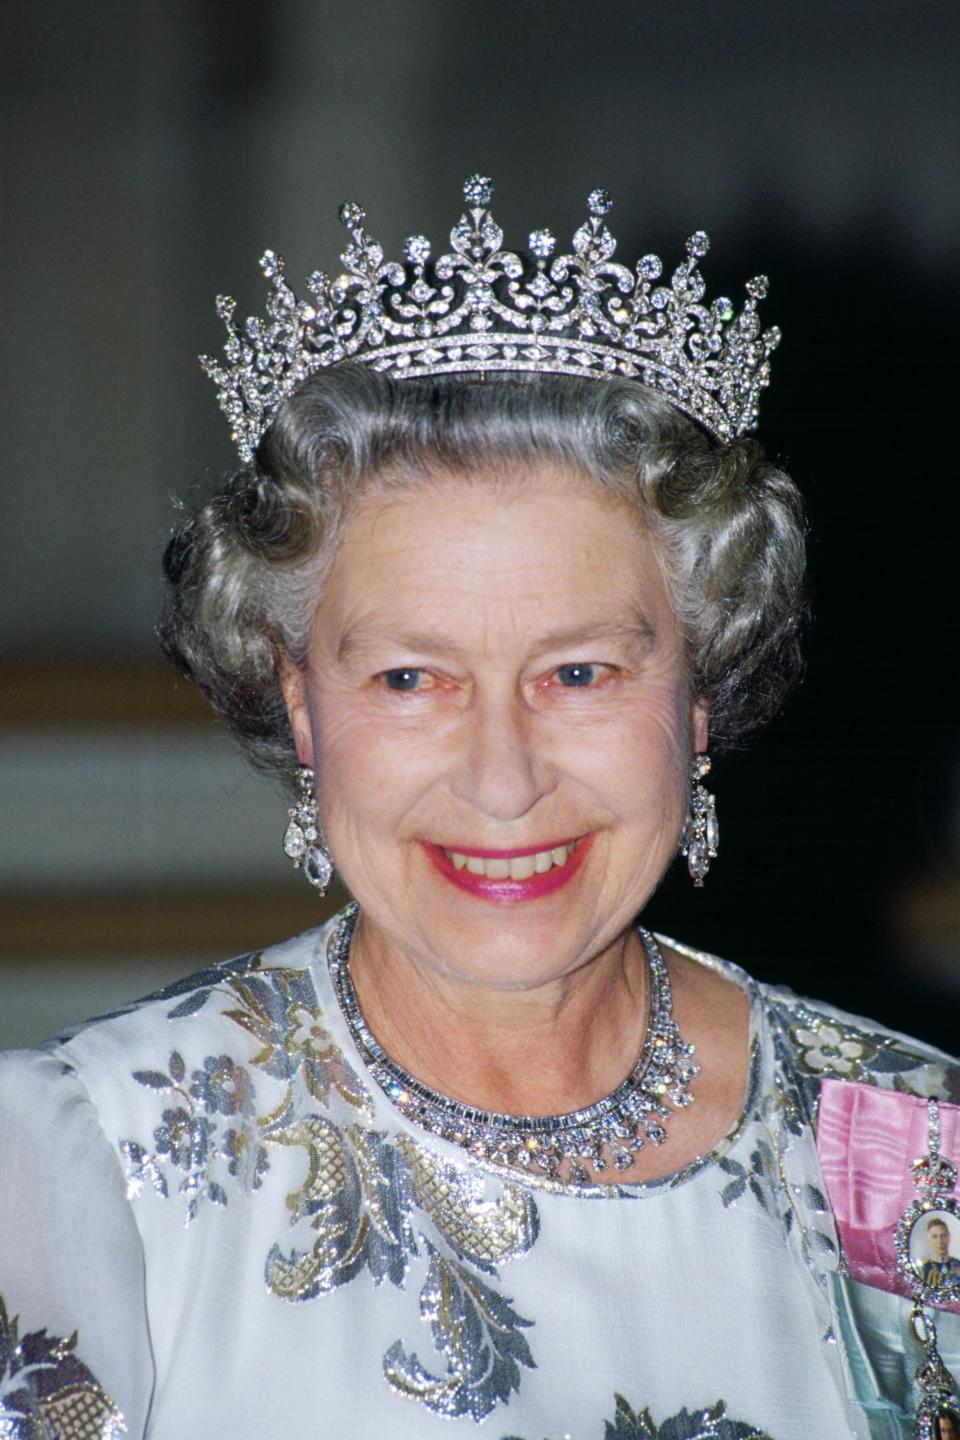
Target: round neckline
[(530, 1178)]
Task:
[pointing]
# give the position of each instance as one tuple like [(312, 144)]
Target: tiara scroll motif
[(480, 309)]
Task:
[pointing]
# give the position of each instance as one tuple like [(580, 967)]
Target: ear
[(293, 685), (699, 724)]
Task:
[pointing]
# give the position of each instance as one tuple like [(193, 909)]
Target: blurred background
[(152, 151)]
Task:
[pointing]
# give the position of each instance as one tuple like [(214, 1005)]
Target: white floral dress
[(213, 1223)]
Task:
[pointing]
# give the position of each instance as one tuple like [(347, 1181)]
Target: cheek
[(654, 728), (337, 725), (636, 758), (371, 765), (375, 768), (351, 730)]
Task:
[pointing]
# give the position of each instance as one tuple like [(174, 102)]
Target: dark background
[(153, 151)]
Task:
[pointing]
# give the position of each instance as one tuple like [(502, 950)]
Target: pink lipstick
[(507, 890)]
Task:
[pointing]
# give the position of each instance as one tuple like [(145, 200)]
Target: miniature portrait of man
[(940, 1270), (947, 1426)]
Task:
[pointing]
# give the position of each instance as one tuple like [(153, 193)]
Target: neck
[(544, 1050)]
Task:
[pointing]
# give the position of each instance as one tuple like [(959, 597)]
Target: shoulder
[(819, 1041), (41, 1098), (811, 1040), (193, 1088), (193, 1034), (190, 995)]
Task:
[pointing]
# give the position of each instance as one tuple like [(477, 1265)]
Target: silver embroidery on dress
[(354, 1199), (479, 1335), (47, 1393), (193, 1140), (366, 1203), (713, 1423)]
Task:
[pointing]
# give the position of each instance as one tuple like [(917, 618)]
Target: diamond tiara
[(480, 309)]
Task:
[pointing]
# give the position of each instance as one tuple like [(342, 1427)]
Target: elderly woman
[(498, 566)]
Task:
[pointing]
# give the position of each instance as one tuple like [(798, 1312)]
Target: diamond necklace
[(561, 1146)]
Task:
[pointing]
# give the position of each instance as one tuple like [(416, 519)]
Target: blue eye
[(577, 675), (402, 679)]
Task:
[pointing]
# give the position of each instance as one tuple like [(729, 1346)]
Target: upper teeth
[(520, 867)]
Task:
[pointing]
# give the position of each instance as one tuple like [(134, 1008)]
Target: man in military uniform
[(942, 1270)]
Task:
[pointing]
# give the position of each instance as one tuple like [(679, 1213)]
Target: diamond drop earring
[(302, 840), (700, 836)]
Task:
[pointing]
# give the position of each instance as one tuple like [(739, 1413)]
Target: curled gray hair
[(245, 569)]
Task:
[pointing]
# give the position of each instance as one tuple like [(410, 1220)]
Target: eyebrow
[(637, 629)]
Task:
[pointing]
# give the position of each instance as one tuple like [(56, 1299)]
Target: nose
[(501, 772)]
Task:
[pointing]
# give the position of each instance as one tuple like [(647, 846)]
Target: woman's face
[(496, 683)]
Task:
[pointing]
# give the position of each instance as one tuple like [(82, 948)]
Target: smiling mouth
[(513, 867)]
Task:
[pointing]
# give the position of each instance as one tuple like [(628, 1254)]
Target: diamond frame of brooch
[(621, 1123), (939, 1391), (930, 1412), (923, 1208)]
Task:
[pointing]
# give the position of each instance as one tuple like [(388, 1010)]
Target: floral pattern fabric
[(46, 1391), (361, 1198), (710, 1424), (808, 1044), (433, 1290)]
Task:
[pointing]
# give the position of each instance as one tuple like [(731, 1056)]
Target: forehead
[(499, 534)]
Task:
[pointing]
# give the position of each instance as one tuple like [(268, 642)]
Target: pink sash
[(867, 1139)]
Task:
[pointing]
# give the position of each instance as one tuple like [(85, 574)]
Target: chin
[(514, 946)]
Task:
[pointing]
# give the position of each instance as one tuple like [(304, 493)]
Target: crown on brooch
[(480, 309)]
